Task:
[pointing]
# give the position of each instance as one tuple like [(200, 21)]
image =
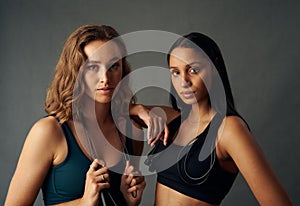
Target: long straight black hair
[(212, 50)]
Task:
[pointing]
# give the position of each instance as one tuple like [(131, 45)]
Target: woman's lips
[(187, 94), (105, 90)]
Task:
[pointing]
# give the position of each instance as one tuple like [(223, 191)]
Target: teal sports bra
[(66, 181)]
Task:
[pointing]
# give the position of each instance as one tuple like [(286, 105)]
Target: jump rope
[(94, 155), (186, 152)]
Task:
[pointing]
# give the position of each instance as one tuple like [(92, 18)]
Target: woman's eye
[(194, 70), (92, 67), (115, 66), (175, 73)]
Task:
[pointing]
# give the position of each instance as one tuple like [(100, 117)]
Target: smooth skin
[(235, 146)]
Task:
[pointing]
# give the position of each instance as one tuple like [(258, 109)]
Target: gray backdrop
[(259, 41)]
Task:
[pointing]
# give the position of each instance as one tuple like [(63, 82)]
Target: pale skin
[(236, 149), (46, 146)]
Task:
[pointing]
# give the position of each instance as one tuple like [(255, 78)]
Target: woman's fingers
[(98, 174), (156, 125), (128, 168), (150, 128), (131, 176), (94, 166), (137, 180), (166, 135), (102, 186), (137, 187), (102, 178), (132, 184)]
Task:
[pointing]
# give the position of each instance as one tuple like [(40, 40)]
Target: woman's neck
[(200, 112), (100, 111)]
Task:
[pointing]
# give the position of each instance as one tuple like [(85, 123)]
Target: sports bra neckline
[(177, 122), (82, 149)]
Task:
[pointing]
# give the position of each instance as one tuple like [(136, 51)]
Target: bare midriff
[(166, 196)]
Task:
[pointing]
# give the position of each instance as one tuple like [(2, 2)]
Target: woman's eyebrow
[(173, 67), (187, 65), (114, 59), (92, 62), (196, 62)]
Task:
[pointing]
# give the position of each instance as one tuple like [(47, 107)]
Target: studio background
[(259, 41)]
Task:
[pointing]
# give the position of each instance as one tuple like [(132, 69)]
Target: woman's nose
[(185, 81), (103, 75)]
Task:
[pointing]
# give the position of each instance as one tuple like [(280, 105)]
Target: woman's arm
[(35, 160), (237, 142), (142, 111), (45, 146)]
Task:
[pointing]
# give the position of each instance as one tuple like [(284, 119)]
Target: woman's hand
[(156, 121), (97, 179), (132, 185)]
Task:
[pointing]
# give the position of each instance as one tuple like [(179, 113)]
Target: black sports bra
[(204, 180)]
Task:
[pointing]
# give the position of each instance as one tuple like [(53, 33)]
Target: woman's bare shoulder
[(233, 126), (46, 129), (233, 131)]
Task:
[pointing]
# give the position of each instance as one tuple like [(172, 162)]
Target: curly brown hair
[(64, 89)]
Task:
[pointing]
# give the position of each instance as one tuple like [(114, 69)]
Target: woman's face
[(191, 74), (102, 70)]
